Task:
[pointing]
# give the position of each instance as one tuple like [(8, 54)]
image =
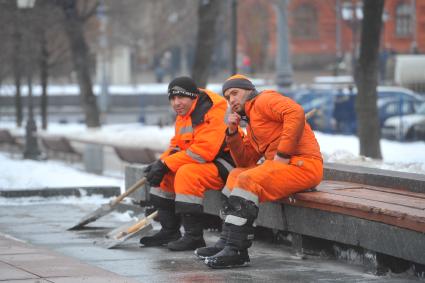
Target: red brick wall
[(325, 42)]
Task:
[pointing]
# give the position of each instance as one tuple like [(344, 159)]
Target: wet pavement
[(44, 226)]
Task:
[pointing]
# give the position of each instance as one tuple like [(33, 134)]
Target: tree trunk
[(44, 74), (369, 131), (207, 18), (81, 61)]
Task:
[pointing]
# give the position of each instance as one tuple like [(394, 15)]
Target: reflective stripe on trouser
[(190, 182), (274, 180)]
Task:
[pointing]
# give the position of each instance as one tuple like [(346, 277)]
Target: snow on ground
[(17, 173), (21, 174)]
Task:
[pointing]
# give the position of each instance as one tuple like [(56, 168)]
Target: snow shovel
[(127, 231), (108, 207), (310, 113)]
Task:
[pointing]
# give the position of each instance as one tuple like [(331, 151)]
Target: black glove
[(157, 171), (148, 168)]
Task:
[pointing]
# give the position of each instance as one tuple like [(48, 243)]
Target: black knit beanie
[(183, 86)]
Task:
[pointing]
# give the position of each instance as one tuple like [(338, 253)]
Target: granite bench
[(377, 218)]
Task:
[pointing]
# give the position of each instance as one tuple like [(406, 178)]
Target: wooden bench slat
[(336, 185), (385, 197), (371, 216), (363, 204), (410, 218), (59, 144), (339, 185), (7, 138), (398, 192)]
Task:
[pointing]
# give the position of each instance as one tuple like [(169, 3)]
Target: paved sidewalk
[(22, 262), (53, 254)]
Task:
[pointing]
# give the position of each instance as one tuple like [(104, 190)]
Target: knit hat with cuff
[(183, 86), (238, 81)]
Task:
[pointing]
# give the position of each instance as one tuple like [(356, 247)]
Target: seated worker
[(278, 132), (197, 159)]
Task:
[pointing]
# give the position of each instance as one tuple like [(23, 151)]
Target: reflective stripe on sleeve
[(185, 130), (195, 156)]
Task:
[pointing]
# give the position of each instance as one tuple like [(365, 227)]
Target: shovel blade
[(93, 216), (115, 237)]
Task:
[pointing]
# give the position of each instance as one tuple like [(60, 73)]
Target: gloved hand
[(148, 168), (156, 173)]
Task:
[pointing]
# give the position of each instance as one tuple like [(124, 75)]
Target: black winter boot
[(205, 252), (235, 252), (193, 236), (170, 230), (239, 223), (228, 257)]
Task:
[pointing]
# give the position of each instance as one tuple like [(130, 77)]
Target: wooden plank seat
[(390, 206), (58, 145), (142, 155)]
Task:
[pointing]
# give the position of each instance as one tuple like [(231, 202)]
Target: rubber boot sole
[(213, 266)]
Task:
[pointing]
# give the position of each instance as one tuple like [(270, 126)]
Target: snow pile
[(20, 174), (406, 157), (93, 201), (397, 156)]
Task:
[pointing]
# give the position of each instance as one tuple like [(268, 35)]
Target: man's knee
[(244, 179)]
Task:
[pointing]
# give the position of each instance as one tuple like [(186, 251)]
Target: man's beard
[(241, 112)]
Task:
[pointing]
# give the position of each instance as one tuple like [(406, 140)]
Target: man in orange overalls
[(197, 159), (278, 132)]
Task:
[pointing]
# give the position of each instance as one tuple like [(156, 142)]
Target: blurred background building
[(134, 48)]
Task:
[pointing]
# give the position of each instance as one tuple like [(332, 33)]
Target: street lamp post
[(31, 150), (234, 37), (283, 62), (103, 101)]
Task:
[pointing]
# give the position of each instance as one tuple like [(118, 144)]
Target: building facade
[(323, 32)]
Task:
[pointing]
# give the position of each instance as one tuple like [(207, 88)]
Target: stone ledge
[(53, 192), (375, 236), (375, 177)]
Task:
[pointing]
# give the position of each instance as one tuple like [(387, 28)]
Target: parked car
[(406, 127), (336, 107)]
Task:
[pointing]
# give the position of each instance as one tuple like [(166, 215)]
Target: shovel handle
[(137, 185), (310, 113), (138, 225)]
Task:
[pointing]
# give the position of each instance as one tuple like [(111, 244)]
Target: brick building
[(322, 30)]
